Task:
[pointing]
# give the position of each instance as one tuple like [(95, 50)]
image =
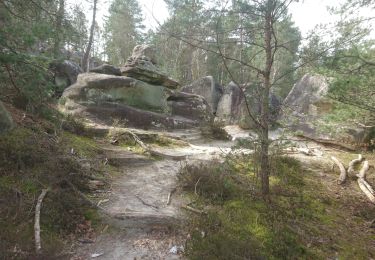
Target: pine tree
[(122, 30)]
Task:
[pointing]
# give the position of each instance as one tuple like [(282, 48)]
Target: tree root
[(343, 173), (353, 163), (363, 184)]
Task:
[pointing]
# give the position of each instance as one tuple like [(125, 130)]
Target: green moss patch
[(300, 220)]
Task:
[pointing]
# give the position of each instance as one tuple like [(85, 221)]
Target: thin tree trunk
[(58, 29), (85, 60), (264, 153)]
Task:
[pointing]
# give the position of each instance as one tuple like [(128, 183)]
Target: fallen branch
[(343, 174), (363, 184), (144, 146), (328, 142), (38, 245), (196, 185), (84, 197), (194, 210), (353, 163)]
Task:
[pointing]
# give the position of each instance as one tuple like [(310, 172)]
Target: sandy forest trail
[(143, 224)]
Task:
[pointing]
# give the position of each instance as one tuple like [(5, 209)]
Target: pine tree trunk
[(58, 29), (85, 60), (264, 138)]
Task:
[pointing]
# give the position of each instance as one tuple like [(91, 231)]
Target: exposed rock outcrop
[(307, 97), (142, 66), (232, 108), (6, 122), (306, 105), (305, 102), (208, 88), (190, 106), (93, 88), (136, 101), (107, 69), (65, 73), (229, 106)]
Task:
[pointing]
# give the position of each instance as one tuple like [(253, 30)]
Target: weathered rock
[(307, 97), (306, 105), (207, 88), (232, 108), (107, 69), (65, 73), (136, 103), (145, 52), (190, 106), (142, 67), (93, 88), (6, 122), (229, 106)]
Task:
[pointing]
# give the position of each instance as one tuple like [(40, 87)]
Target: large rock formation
[(65, 73), (306, 105), (230, 105), (136, 100), (6, 122), (207, 88), (142, 65), (93, 88), (107, 69), (307, 96), (233, 108)]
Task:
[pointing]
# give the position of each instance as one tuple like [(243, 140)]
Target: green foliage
[(295, 222), (122, 30), (31, 158)]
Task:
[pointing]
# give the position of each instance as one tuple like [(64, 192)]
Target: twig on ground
[(38, 245), (193, 210)]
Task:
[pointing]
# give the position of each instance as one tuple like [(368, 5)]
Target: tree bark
[(58, 29), (264, 153), (86, 56)]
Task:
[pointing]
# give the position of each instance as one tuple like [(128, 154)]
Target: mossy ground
[(307, 215), (39, 154)]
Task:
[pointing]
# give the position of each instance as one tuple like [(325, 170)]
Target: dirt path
[(141, 224)]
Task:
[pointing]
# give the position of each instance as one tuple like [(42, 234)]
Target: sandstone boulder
[(190, 106), (307, 96), (65, 73), (230, 103), (207, 88), (107, 69), (93, 88), (232, 107), (6, 122), (142, 66), (137, 103)]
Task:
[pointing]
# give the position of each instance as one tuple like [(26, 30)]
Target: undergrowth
[(40, 154), (297, 221)]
